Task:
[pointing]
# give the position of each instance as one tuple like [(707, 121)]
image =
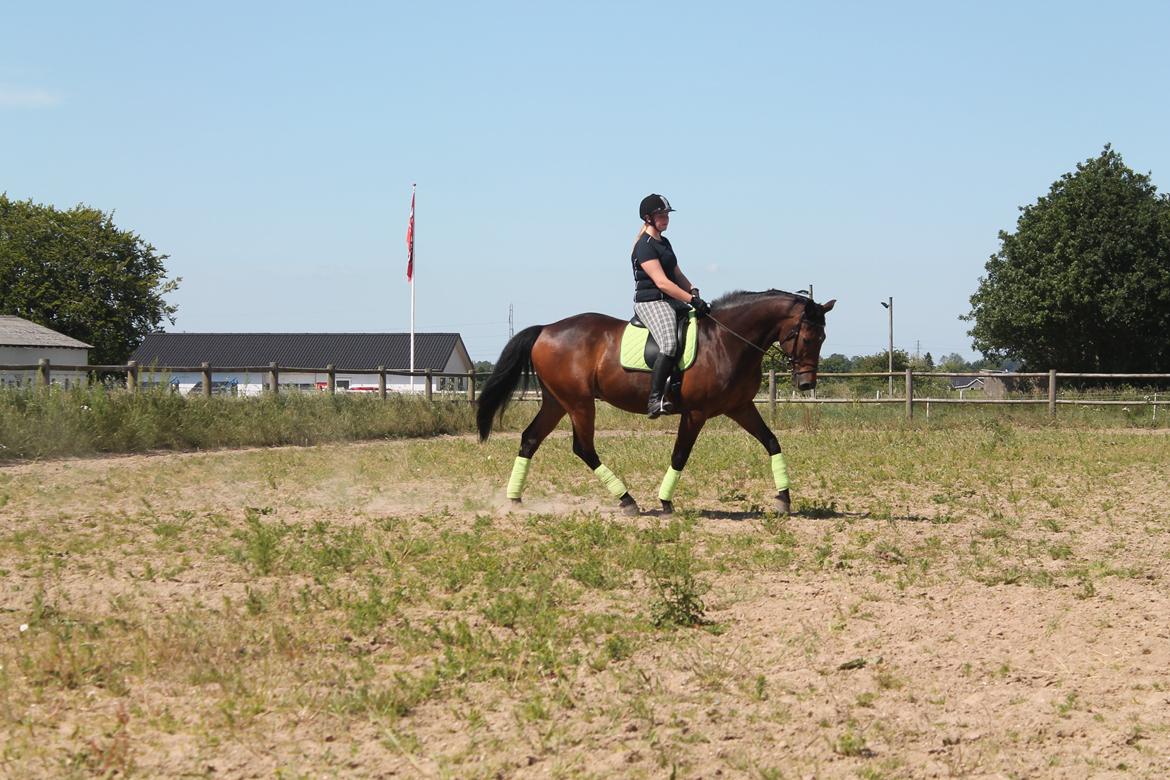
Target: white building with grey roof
[(174, 359), (25, 343)]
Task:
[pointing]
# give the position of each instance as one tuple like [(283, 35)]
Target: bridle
[(793, 336)]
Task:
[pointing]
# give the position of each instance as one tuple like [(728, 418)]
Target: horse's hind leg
[(689, 426), (541, 426), (582, 417), (750, 420)]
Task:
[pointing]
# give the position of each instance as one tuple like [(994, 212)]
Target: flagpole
[(412, 333), (412, 186)]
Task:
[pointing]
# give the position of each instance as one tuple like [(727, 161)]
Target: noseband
[(794, 337)]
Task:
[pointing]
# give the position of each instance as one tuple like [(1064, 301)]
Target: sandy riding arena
[(977, 602)]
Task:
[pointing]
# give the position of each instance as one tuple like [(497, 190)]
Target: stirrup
[(659, 406)]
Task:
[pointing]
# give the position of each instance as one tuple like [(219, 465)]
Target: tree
[(880, 361), (75, 272), (835, 363), (1084, 282), (953, 362)]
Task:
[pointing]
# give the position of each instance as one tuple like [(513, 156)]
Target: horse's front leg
[(750, 420), (689, 426)]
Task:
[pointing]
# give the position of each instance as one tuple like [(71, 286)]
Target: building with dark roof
[(349, 353), (25, 343)]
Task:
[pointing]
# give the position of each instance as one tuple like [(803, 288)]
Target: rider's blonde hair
[(641, 233)]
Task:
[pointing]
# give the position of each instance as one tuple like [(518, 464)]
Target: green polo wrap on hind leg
[(610, 480), (668, 482), (519, 476), (780, 471)]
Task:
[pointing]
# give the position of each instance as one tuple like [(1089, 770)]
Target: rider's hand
[(701, 307)]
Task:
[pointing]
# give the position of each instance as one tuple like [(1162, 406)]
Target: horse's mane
[(735, 298), (742, 297)]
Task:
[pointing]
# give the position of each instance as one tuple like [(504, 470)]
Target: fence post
[(1052, 392), (471, 385), (429, 384), (909, 394), (206, 367), (772, 393), (382, 382), (44, 375), (273, 378), (329, 369), (132, 376)]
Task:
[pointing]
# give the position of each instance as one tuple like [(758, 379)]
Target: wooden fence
[(271, 373), (44, 370)]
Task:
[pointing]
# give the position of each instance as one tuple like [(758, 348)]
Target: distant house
[(440, 352), (25, 343), (966, 383)]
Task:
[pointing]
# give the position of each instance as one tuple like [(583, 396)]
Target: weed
[(680, 595), (851, 743), (261, 541)]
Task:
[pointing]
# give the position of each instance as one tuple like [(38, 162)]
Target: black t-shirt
[(650, 248)]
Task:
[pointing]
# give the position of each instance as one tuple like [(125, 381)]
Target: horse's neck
[(761, 321)]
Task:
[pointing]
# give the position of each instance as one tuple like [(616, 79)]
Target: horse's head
[(803, 342)]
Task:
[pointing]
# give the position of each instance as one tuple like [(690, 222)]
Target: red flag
[(410, 240)]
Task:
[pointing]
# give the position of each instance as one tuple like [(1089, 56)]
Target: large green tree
[(1083, 284), (75, 272)]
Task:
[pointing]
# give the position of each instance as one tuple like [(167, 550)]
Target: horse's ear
[(829, 306)]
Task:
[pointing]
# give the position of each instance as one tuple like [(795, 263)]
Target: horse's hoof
[(629, 506), (514, 500), (783, 503), (667, 507)]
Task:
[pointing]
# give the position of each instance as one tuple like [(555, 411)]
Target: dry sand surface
[(999, 631)]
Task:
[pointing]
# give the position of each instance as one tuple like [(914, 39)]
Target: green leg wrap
[(780, 471), (668, 483), (610, 480), (519, 476)]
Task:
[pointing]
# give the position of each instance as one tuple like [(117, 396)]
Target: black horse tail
[(515, 361)]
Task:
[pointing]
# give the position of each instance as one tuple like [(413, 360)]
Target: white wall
[(254, 383), (30, 355)]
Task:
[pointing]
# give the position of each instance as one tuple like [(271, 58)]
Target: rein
[(733, 333), (792, 336)]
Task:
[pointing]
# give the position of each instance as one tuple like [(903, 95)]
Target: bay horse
[(576, 362)]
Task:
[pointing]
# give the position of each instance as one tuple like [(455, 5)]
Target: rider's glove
[(701, 307)]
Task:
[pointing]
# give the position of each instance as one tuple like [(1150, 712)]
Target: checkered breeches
[(660, 319)]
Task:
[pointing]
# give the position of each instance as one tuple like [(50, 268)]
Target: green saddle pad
[(634, 347)]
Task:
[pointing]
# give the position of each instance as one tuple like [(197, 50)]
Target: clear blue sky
[(871, 149)]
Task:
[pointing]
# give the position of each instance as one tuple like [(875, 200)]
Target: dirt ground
[(929, 627)]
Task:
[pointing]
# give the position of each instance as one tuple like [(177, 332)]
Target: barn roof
[(19, 332), (300, 350)]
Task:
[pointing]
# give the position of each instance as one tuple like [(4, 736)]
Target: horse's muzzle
[(805, 380)]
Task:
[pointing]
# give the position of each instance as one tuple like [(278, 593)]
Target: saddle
[(639, 351)]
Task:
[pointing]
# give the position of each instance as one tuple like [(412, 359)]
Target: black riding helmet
[(652, 204)]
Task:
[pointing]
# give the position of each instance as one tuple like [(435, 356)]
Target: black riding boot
[(659, 403)]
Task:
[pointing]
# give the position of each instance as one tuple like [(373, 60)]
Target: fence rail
[(271, 372)]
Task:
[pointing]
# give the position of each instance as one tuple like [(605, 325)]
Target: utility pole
[(509, 322), (890, 306)]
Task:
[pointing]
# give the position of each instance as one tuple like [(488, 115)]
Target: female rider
[(661, 290)]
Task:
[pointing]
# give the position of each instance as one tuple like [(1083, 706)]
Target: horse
[(576, 362)]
